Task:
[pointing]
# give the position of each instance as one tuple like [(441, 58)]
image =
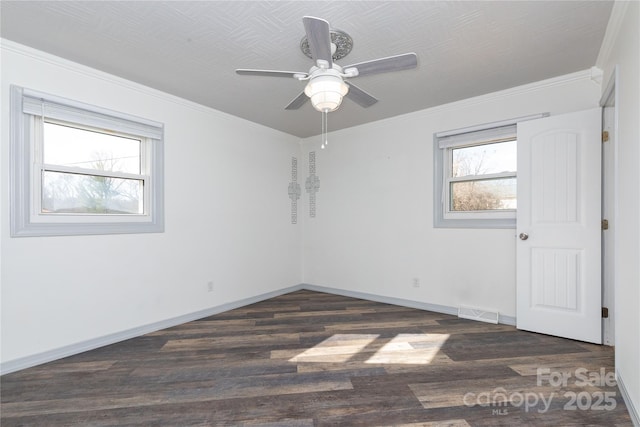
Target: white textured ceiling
[(191, 48)]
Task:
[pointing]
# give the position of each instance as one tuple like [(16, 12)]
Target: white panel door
[(558, 226)]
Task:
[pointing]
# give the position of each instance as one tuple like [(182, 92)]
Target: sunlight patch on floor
[(401, 349), (337, 348), (415, 349)]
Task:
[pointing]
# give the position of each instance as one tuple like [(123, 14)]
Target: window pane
[(482, 195), (69, 146), (485, 159), (89, 194)]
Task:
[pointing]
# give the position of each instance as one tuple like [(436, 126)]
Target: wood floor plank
[(191, 392), (315, 359), (233, 341), (443, 423), (381, 324), (491, 345)]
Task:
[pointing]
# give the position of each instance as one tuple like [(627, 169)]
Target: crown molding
[(10, 46), (611, 34), (74, 67), (592, 74), (516, 91)]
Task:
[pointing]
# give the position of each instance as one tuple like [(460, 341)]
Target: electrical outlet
[(416, 282), (210, 286)]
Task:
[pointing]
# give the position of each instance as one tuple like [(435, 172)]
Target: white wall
[(374, 227), (623, 50), (227, 221)]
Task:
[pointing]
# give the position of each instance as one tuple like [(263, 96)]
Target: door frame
[(609, 263)]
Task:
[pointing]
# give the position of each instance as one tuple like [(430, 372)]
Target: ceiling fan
[(327, 83)]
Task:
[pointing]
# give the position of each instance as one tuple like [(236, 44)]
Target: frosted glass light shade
[(326, 92)]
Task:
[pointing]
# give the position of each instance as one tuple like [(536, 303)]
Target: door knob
[(523, 236)]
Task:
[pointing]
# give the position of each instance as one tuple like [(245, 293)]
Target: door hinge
[(605, 136), (605, 224), (605, 313)]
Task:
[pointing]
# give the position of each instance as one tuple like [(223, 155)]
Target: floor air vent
[(477, 314)]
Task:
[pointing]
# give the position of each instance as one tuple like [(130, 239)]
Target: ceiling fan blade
[(384, 65), (319, 38), (297, 102), (271, 73), (359, 96)]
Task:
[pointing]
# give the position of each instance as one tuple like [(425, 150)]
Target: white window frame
[(29, 110), (443, 145)]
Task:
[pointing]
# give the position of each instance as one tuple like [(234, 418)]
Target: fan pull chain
[(325, 141)]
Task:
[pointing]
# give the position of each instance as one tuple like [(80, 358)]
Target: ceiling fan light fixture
[(326, 92)]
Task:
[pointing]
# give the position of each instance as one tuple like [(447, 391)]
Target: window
[(81, 169), (482, 177), (476, 176)]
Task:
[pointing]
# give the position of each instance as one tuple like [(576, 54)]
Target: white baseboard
[(69, 350), (633, 411), (445, 309), (91, 344)]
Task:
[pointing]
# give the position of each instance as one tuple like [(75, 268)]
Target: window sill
[(475, 223)]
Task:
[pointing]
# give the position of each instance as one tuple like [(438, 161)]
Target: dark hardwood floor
[(314, 359)]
